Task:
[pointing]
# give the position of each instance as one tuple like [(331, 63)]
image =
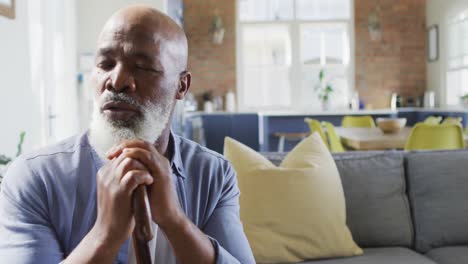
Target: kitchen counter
[(456, 109), (339, 112), (257, 129)]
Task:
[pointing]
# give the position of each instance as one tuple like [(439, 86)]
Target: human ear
[(185, 80)]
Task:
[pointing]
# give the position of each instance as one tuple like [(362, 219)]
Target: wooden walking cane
[(142, 233)]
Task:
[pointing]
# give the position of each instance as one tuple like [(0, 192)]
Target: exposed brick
[(213, 66), (397, 63)]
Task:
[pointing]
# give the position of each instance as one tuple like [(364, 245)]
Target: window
[(282, 46), (53, 74), (457, 65)]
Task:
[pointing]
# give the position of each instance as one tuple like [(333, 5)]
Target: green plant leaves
[(4, 160), (19, 147)]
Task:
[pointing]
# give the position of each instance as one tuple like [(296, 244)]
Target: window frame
[(461, 17), (294, 26)]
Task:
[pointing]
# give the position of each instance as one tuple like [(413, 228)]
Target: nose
[(121, 80)]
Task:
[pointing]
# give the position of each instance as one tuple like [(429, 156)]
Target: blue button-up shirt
[(48, 201)]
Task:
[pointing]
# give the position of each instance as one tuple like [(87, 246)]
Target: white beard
[(105, 133)]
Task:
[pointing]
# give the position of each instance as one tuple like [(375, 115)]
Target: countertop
[(338, 112)]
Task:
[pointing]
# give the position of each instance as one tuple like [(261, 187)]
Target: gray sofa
[(404, 207)]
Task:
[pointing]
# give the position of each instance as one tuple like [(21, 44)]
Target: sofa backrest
[(438, 191), (377, 207)]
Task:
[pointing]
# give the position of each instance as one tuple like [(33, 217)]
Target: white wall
[(438, 12), (93, 14), (19, 99)]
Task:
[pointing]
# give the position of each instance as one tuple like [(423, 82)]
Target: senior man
[(71, 202)]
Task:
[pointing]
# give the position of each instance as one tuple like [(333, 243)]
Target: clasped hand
[(131, 164)]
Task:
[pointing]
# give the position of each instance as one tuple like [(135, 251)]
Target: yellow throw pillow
[(296, 211)]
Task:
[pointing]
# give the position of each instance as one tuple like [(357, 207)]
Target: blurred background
[(248, 57)]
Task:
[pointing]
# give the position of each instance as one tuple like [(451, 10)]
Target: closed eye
[(106, 64), (146, 68)]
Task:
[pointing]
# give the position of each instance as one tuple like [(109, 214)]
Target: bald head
[(144, 25), (139, 74)]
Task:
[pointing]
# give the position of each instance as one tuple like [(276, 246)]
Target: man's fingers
[(127, 164), (132, 179), (143, 156), (106, 175), (136, 143)]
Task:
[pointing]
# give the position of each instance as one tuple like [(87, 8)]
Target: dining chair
[(433, 120), (425, 136), (452, 120), (315, 126), (335, 141), (358, 121)]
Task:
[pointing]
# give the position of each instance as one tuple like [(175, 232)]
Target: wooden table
[(374, 138), (283, 136)]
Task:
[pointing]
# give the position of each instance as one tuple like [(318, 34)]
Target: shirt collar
[(176, 160)]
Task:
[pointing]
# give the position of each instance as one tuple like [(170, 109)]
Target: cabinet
[(241, 127)]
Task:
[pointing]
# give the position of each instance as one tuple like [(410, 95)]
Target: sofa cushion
[(438, 191), (392, 255), (377, 207), (449, 255), (295, 211)]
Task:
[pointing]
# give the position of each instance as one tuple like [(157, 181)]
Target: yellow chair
[(335, 142), (358, 121), (452, 120), (315, 126), (429, 136), (433, 120)]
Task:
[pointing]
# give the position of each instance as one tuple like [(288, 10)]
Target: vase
[(325, 105)]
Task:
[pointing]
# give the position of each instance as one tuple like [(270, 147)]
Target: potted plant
[(324, 90), (5, 161), (464, 100)]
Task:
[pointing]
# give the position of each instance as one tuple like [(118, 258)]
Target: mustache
[(119, 97)]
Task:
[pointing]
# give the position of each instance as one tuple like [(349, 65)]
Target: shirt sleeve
[(25, 231), (224, 227)]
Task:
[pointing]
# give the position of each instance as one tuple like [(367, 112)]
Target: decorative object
[(391, 125), (5, 161), (217, 103), (324, 91), (7, 8), (354, 102), (296, 211), (464, 100), (433, 43), (373, 24), (429, 99), (394, 101), (230, 102), (217, 28), (207, 102)]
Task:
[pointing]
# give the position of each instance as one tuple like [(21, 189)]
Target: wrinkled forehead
[(119, 32), (151, 37)]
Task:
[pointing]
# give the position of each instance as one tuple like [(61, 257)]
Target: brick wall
[(213, 66), (398, 62)]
